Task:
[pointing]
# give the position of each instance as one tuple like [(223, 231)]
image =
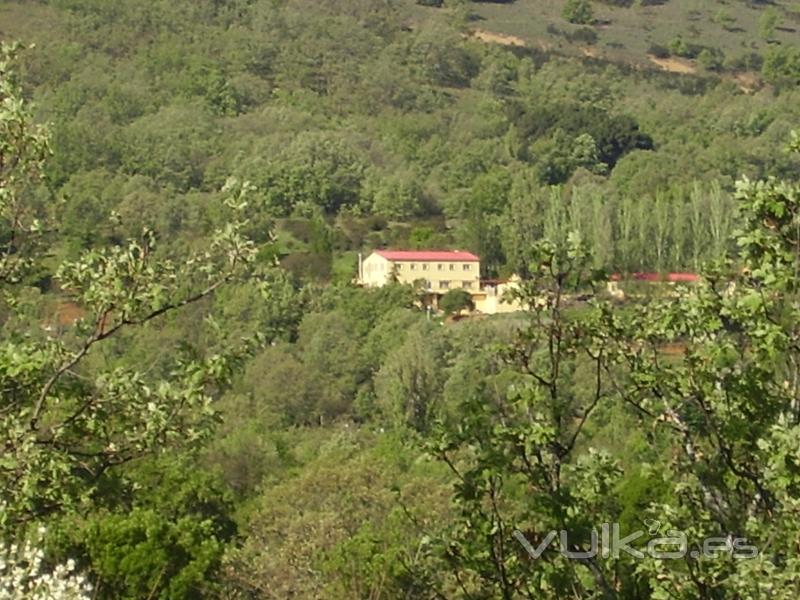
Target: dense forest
[(196, 401)]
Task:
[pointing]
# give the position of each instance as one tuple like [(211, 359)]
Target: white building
[(436, 271)]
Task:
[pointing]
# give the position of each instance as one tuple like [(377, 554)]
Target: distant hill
[(682, 36)]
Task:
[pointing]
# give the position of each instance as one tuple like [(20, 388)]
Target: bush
[(659, 51), (586, 35), (454, 301), (782, 66), (579, 12), (711, 59), (749, 61)]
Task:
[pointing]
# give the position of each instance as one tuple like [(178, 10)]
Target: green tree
[(339, 526), (711, 59), (409, 383), (768, 22), (723, 18), (522, 463), (579, 12), (441, 57), (65, 426), (721, 418), (729, 405), (782, 66), (454, 301), (398, 197), (166, 540), (23, 150), (318, 168)]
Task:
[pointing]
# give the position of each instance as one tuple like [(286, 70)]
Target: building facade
[(496, 296), (437, 271)]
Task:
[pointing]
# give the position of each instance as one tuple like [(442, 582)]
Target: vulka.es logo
[(609, 544)]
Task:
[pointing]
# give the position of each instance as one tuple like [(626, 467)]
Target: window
[(452, 267), (445, 285), (412, 266), (440, 266), (400, 266), (467, 267), (467, 285), (424, 266)]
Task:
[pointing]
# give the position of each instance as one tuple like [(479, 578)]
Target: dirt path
[(674, 65), (497, 38), (67, 313)]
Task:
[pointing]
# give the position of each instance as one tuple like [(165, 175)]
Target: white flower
[(21, 576)]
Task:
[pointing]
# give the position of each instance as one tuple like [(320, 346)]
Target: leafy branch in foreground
[(515, 460), (64, 425), (24, 147), (730, 404), (710, 376)]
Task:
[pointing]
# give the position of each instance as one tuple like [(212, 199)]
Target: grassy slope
[(625, 34)]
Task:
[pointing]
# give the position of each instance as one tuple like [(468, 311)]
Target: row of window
[(445, 285), (439, 267)]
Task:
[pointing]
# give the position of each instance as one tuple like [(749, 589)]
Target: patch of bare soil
[(674, 65), (749, 83), (67, 313), (497, 38), (673, 349)]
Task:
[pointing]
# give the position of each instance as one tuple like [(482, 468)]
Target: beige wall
[(440, 276), (376, 271), (496, 299)]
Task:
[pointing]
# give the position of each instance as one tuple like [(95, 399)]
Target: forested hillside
[(382, 124), (197, 402)]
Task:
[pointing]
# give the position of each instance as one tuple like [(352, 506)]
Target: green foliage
[(340, 527), (710, 59), (454, 301), (411, 378), (170, 146), (723, 429), (23, 148), (167, 544), (782, 66), (66, 426), (513, 471), (316, 169), (721, 414), (768, 22), (578, 11), (364, 125), (399, 197), (441, 59)]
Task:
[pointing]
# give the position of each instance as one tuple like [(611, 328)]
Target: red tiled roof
[(671, 277), (428, 255), (683, 277)]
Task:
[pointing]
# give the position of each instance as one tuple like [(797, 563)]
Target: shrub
[(782, 66), (579, 12), (454, 301), (659, 51), (586, 35)]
